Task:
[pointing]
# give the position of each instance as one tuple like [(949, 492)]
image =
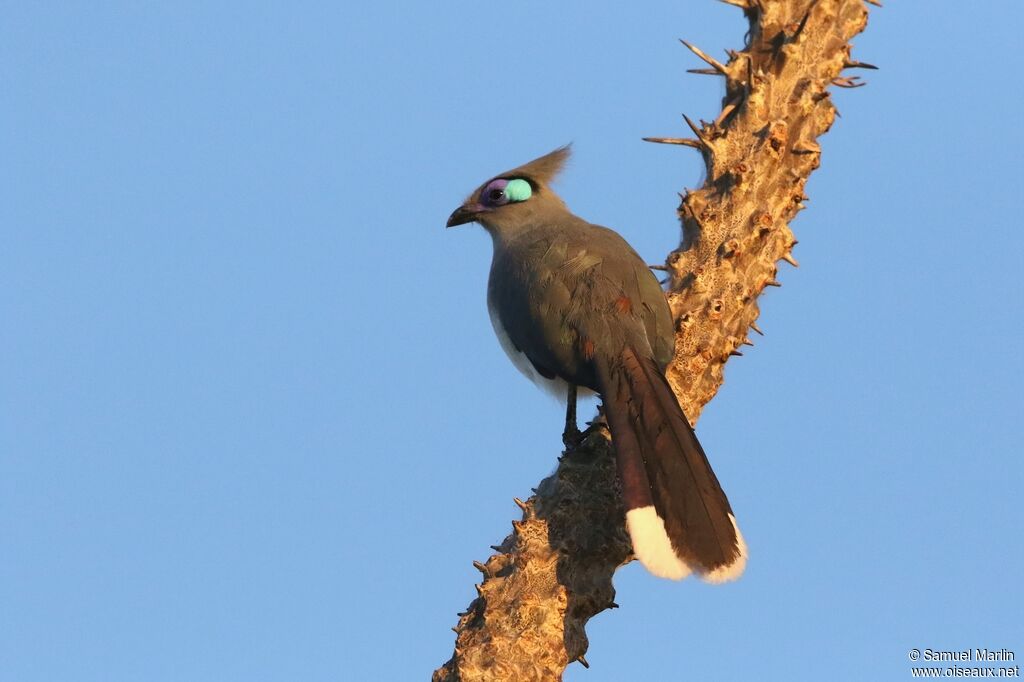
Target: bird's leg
[(571, 435)]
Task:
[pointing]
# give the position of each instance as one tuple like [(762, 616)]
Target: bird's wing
[(565, 295)]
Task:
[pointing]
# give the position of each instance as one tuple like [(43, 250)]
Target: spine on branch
[(554, 571)]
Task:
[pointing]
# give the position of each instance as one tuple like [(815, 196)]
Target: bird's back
[(563, 292)]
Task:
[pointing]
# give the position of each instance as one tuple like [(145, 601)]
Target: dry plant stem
[(554, 571)]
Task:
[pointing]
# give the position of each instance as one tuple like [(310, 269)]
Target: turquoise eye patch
[(518, 190)]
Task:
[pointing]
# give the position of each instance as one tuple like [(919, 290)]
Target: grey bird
[(575, 306)]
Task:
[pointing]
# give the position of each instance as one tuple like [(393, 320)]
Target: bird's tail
[(678, 517)]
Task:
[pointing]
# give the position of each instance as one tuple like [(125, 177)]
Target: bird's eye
[(495, 193)]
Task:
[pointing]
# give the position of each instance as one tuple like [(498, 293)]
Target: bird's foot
[(571, 437)]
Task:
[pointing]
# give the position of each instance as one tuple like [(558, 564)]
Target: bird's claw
[(572, 437)]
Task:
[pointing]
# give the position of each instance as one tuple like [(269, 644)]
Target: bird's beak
[(461, 216)]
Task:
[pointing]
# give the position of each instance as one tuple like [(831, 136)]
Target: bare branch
[(554, 571)]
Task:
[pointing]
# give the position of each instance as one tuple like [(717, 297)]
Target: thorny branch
[(554, 571)]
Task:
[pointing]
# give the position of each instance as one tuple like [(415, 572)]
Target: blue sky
[(253, 421)]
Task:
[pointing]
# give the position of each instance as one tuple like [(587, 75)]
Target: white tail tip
[(652, 546), (653, 549)]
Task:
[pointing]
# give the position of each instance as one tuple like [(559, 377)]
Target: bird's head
[(513, 198)]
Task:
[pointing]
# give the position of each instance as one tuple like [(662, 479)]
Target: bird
[(577, 309)]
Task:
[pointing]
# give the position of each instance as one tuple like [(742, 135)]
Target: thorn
[(789, 259), (455, 629), (735, 352), (711, 61), (480, 567), (685, 141), (517, 526), (806, 147), (736, 3), (479, 590), (583, 661), (704, 72), (613, 605), (876, 3), (747, 342), (663, 268), (773, 283), (458, 652), (753, 325), (853, 64), (462, 614), (726, 110), (696, 131), (844, 82), (519, 503)]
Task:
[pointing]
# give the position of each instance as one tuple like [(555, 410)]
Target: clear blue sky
[(253, 421)]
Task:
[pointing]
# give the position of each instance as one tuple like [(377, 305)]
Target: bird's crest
[(543, 170)]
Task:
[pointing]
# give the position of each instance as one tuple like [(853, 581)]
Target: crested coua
[(575, 306)]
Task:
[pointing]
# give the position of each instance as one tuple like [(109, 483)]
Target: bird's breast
[(557, 387)]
